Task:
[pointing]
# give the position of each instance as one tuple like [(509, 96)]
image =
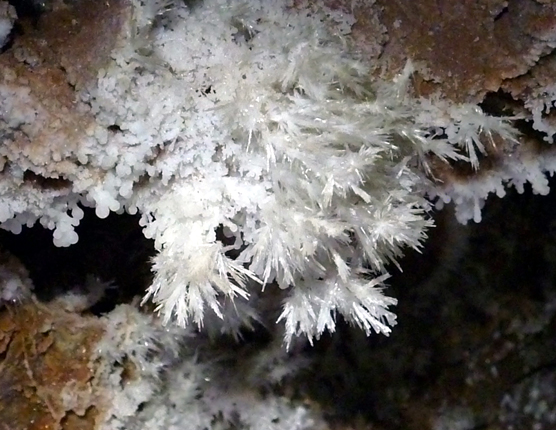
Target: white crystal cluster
[(260, 152)]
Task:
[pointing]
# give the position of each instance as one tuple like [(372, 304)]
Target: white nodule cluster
[(260, 152)]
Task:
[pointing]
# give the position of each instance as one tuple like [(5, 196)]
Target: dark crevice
[(114, 128), (44, 182), (11, 37), (112, 250), (71, 85), (26, 10), (192, 4), (30, 9), (500, 103), (525, 127), (508, 264), (228, 241), (206, 91), (500, 14)]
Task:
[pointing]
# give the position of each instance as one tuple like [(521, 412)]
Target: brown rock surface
[(46, 371), (468, 48), (44, 70)]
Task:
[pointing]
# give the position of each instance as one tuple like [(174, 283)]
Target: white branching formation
[(253, 129)]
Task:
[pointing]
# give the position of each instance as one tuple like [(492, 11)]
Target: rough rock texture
[(46, 67), (46, 371), (467, 49)]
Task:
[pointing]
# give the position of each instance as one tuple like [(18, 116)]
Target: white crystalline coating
[(287, 144), (174, 388), (259, 119), (176, 385)]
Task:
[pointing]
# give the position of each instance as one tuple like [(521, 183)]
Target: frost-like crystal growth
[(260, 153), (291, 150)]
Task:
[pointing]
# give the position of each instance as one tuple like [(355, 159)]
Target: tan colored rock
[(467, 49), (41, 75), (45, 368)]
